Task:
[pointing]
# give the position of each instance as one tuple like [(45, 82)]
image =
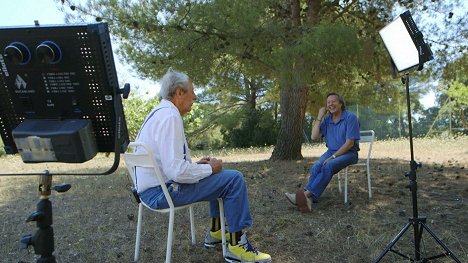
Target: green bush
[(2, 150), (257, 128), (136, 109)]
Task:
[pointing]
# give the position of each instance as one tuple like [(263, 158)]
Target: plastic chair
[(366, 137), (147, 160)]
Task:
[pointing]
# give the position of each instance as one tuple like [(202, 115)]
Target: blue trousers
[(228, 185), (320, 175)]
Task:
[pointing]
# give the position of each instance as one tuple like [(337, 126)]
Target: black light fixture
[(59, 102), (407, 49), (405, 43)]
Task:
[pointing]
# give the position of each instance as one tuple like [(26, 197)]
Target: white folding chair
[(366, 137), (147, 160)]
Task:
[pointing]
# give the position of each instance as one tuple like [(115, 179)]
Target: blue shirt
[(336, 133)]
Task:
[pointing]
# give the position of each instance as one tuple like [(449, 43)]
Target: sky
[(24, 12)]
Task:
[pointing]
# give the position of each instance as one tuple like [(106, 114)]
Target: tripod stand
[(418, 223), (43, 240)]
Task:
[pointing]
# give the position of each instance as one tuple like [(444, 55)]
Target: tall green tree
[(306, 48)]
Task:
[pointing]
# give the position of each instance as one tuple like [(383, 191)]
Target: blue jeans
[(320, 175), (228, 185)]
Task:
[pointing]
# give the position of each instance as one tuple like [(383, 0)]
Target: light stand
[(43, 240), (403, 58), (418, 223)]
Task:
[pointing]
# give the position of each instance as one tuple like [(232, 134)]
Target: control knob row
[(47, 52)]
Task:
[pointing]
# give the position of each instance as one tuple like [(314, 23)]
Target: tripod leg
[(417, 240), (447, 250), (397, 237)]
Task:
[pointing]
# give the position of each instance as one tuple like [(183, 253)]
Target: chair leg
[(170, 232), (369, 187), (223, 225), (339, 182), (192, 225), (138, 233), (346, 186)]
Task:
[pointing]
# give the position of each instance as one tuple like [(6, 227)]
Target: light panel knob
[(17, 53), (48, 53)]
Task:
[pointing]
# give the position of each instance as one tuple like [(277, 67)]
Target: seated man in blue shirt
[(188, 182), (341, 132)]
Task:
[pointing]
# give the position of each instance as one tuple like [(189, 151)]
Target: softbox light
[(405, 43)]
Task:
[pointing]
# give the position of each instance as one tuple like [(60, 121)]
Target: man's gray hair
[(171, 81)]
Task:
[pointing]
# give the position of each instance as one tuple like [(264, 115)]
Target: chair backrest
[(367, 137), (144, 159)]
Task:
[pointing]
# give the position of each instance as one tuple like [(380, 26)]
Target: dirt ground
[(95, 221)]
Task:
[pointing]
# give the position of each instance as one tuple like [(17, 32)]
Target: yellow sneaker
[(245, 252), (214, 238)]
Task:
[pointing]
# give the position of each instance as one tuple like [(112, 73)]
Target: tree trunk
[(293, 104), (399, 120), (293, 94), (276, 112), (450, 122), (252, 86)]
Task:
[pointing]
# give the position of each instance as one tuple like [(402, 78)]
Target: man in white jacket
[(189, 182)]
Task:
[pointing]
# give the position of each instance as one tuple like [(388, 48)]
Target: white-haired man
[(189, 182)]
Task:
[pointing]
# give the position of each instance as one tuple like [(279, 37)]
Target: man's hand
[(326, 160), (216, 165), (204, 160), (315, 135), (321, 113)]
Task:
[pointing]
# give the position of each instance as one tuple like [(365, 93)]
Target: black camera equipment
[(59, 102), (406, 46)]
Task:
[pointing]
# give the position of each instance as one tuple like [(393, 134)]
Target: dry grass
[(93, 221)]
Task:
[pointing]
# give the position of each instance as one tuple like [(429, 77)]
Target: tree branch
[(212, 121), (344, 10)]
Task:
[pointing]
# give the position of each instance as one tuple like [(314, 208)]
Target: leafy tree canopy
[(289, 51)]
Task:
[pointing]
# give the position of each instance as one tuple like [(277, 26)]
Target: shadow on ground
[(96, 220)]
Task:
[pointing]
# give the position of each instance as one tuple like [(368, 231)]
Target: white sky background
[(24, 12)]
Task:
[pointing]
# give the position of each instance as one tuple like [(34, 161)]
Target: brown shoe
[(303, 202)]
